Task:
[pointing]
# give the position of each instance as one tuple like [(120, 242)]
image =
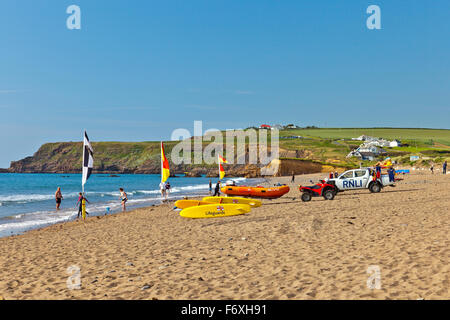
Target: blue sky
[(137, 70)]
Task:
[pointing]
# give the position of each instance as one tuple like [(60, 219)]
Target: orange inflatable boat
[(256, 192)]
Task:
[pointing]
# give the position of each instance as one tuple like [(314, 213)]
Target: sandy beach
[(285, 249)]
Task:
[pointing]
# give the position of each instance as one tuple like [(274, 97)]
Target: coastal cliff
[(117, 158)]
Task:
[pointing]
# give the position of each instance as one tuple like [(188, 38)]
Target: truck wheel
[(306, 196), (329, 194), (375, 187)]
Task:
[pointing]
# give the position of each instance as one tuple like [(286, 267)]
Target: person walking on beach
[(168, 189), (293, 177), (444, 167), (162, 188), (210, 187), (80, 204), (217, 190), (123, 199), (58, 198), (432, 168)]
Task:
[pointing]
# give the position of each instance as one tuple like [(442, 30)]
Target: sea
[(27, 201)]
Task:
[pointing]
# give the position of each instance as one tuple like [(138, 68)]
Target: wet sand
[(285, 249)]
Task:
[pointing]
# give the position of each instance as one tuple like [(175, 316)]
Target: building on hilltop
[(367, 151)]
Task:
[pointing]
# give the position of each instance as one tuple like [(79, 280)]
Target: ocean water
[(27, 201)]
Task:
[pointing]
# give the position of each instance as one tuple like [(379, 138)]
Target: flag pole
[(82, 164), (162, 166)]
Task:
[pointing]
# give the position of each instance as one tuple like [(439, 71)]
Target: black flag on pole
[(88, 159)]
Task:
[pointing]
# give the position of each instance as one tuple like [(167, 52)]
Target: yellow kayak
[(215, 210), (183, 204), (236, 200)]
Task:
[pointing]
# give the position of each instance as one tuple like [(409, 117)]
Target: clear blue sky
[(139, 69)]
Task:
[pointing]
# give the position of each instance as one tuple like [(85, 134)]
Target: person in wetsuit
[(217, 189), (80, 204)]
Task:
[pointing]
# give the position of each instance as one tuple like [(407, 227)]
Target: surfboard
[(236, 200), (183, 204), (215, 210), (83, 209)]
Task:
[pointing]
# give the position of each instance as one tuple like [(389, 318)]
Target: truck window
[(347, 175), (360, 173)]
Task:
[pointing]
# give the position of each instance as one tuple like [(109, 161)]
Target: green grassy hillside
[(327, 146), (333, 144)]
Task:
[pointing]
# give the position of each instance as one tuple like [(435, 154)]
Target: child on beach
[(80, 204), (58, 198), (124, 198)]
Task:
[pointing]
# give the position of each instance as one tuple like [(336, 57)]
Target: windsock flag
[(88, 159), (165, 172), (387, 162), (221, 171)]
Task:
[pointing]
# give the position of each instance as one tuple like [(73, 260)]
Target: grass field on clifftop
[(333, 144), (421, 136)]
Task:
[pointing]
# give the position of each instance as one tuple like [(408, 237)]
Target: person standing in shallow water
[(124, 198), (58, 198)]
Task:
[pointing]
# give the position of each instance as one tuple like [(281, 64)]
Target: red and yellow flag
[(221, 171), (165, 172)]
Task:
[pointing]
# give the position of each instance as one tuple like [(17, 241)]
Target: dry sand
[(284, 250)]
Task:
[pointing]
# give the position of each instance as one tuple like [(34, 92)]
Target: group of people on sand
[(444, 168), (164, 187), (59, 197)]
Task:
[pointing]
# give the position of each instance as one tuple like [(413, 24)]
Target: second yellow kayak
[(183, 204), (236, 200)]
